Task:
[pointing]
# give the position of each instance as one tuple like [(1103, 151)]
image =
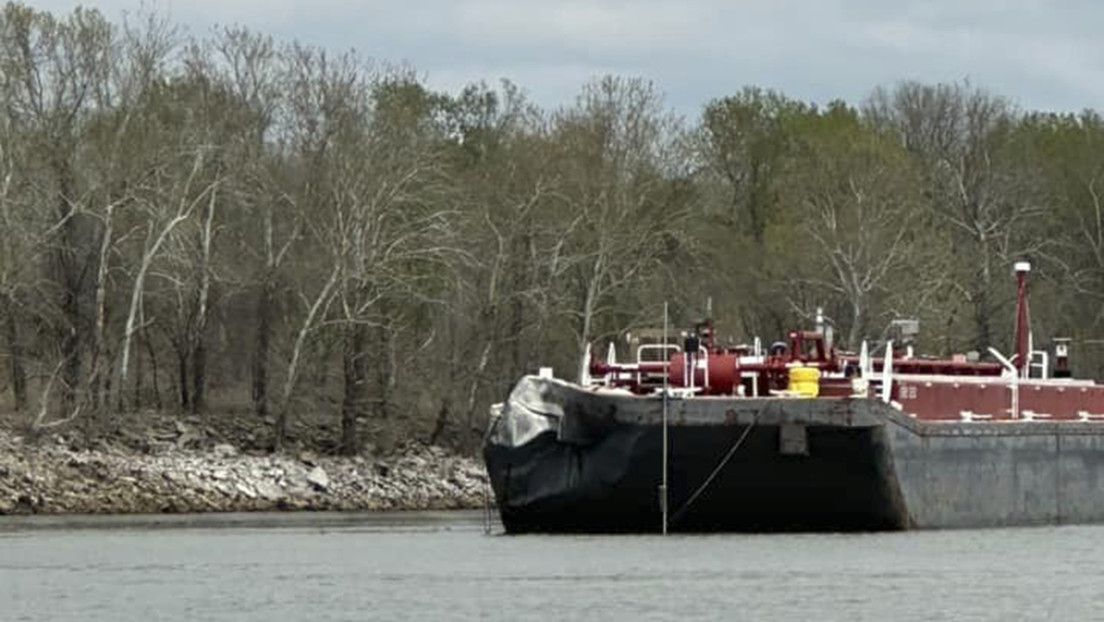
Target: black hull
[(613, 486), (562, 459)]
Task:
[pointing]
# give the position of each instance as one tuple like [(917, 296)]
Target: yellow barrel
[(805, 381)]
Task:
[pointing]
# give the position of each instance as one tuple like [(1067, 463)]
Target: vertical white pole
[(663, 485)]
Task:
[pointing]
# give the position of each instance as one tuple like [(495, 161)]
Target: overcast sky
[(1043, 55)]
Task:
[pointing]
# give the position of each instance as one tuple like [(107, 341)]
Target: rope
[(487, 508), (720, 466), (490, 506)]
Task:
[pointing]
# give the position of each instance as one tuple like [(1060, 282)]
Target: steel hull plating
[(562, 459), (613, 486)]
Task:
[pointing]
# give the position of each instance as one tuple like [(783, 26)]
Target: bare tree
[(499, 143), (395, 232), (327, 109), (137, 62), (317, 306), (247, 66), (15, 248), (964, 138), (171, 203), (853, 194), (76, 85), (618, 157), (1069, 152), (53, 70)]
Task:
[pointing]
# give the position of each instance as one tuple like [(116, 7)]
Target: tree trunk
[(473, 392), (15, 358), (106, 374), (983, 317), (755, 209), (199, 333), (139, 380), (518, 364), (356, 389), (199, 375), (523, 281), (70, 351), (69, 277), (136, 303), (384, 372), (153, 365), (261, 345), (323, 353), (182, 371), (584, 332), (983, 312), (317, 309), (854, 333), (441, 423), (444, 413), (98, 377), (982, 321)]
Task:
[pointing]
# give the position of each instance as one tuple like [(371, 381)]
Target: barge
[(798, 437)]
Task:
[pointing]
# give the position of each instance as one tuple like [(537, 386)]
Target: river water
[(441, 566)]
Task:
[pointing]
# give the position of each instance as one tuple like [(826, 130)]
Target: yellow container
[(805, 381)]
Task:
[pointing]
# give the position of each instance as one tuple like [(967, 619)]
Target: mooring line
[(487, 509), (720, 466)]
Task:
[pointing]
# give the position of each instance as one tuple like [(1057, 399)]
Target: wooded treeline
[(239, 224)]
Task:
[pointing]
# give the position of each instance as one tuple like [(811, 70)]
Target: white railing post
[(1014, 381), (887, 372)]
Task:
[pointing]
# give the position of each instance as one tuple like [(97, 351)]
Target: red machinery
[(958, 388), (739, 370)]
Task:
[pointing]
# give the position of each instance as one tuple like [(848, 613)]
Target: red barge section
[(795, 436)]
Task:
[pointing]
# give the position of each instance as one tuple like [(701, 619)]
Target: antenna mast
[(667, 367)]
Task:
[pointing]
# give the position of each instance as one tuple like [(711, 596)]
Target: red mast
[(1022, 326)]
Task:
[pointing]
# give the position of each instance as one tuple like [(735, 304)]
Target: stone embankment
[(53, 476)]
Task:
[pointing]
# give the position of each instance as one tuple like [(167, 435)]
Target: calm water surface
[(442, 567)]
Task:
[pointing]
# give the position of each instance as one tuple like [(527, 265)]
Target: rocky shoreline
[(51, 475)]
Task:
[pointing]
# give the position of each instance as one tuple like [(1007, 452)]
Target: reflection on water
[(440, 566)]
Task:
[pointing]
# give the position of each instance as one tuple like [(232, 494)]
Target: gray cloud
[(1041, 54)]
